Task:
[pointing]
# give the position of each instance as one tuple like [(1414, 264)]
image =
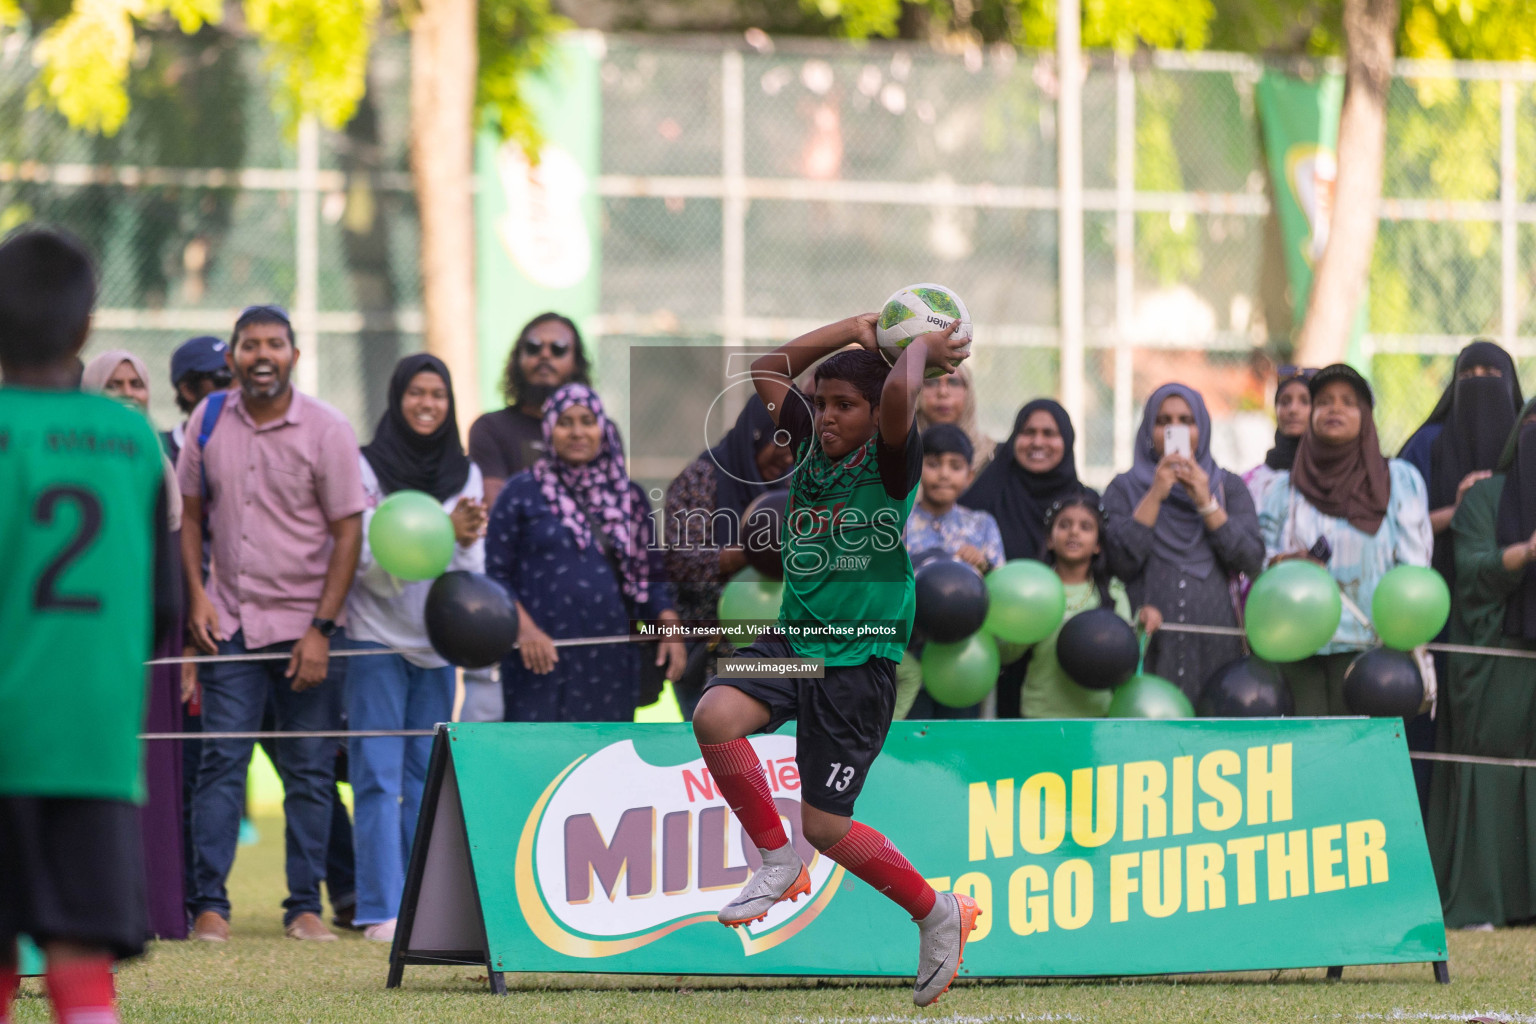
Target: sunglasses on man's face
[(558, 349)]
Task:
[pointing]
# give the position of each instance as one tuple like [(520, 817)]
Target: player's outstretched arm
[(774, 374), (904, 384)]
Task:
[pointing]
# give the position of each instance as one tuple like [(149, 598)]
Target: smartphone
[(1176, 440)]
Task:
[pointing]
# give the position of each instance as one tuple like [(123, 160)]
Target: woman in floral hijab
[(572, 540)]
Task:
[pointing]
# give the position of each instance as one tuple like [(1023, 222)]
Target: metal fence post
[(1125, 254), (1069, 213), (307, 262), (1509, 307)]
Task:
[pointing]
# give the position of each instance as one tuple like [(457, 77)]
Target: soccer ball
[(918, 309)]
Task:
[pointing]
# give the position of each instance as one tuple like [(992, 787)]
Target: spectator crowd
[(272, 495)]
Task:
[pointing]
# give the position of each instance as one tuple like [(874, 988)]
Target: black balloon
[(1247, 688), (1097, 649), (1384, 683), (951, 600), (471, 622), (927, 555), (762, 527)]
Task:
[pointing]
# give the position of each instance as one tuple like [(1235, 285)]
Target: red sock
[(81, 991), (10, 981), (739, 774), (870, 856)]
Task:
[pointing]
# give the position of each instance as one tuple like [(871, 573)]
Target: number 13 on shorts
[(839, 777)]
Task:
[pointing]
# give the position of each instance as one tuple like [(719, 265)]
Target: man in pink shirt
[(279, 475)]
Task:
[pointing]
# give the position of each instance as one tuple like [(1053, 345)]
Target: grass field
[(261, 976)]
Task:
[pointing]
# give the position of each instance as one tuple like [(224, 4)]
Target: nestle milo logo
[(619, 852)]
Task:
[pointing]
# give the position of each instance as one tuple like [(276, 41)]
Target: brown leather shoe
[(309, 928), (210, 927)]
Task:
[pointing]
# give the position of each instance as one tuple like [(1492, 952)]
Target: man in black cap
[(198, 368)]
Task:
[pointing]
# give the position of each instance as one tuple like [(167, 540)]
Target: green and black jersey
[(86, 578), (848, 590)]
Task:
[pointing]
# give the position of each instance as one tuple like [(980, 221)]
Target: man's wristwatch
[(326, 627)]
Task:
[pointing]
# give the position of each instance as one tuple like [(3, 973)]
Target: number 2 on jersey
[(45, 595)]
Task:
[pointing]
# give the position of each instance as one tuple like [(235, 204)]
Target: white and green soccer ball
[(918, 309)]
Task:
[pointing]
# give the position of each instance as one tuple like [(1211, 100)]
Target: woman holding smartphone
[(1346, 506), (1178, 531)]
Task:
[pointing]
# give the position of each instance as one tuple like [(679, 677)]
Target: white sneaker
[(384, 931), (941, 941), (782, 877)]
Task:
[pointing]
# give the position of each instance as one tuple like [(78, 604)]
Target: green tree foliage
[(316, 49)]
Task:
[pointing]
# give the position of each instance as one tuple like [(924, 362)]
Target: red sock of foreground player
[(739, 774), (870, 856), (9, 983), (81, 991)]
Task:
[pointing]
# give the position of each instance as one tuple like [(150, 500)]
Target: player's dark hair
[(47, 289), (860, 367), (254, 315), (1098, 566), (514, 384)]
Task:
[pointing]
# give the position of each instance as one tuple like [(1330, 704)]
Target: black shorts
[(843, 719), (72, 870)]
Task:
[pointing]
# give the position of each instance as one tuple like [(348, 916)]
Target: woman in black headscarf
[(1031, 471), (1457, 446), (704, 549), (1482, 821), (415, 448), (1461, 441), (1293, 410)]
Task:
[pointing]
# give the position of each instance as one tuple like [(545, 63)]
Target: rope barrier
[(1493, 652), (1417, 755), (219, 659)]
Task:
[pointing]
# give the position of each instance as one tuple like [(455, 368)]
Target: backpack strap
[(211, 411)]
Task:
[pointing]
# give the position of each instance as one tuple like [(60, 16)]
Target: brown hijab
[(1350, 481)]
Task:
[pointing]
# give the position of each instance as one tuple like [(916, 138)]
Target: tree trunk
[(444, 59), (1370, 34)]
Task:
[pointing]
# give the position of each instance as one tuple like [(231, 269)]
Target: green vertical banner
[(1300, 122), (536, 224)]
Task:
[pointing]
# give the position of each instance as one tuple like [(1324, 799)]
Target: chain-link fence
[(747, 194)]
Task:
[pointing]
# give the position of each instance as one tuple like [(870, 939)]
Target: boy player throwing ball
[(859, 460)]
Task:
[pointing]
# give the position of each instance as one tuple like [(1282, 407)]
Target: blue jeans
[(234, 696), (384, 691)]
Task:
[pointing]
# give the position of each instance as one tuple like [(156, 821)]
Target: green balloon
[(1410, 606), (412, 536), (1147, 696), (1293, 610), (960, 674), (747, 603), (1025, 601)]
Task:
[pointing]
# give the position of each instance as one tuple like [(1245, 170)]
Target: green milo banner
[(1092, 847), (536, 223), (1300, 123)]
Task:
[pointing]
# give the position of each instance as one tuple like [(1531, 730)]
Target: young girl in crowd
[(1074, 548)]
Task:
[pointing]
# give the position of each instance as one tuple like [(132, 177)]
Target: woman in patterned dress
[(572, 540)]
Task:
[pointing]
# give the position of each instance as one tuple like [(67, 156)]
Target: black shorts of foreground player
[(858, 459)]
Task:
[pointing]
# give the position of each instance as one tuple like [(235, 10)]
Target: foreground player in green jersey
[(858, 462), (86, 588)]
